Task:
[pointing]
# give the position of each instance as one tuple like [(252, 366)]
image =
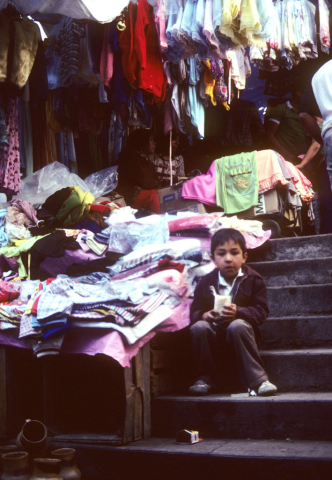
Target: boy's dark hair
[(225, 235)]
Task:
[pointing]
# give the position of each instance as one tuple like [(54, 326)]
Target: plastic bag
[(123, 215), (102, 182), (128, 236), (36, 188)]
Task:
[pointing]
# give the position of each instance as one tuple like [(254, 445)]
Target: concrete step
[(301, 416), (299, 370), (163, 459), (297, 248), (300, 300), (313, 271), (297, 332)]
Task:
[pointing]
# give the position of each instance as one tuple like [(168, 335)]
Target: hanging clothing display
[(289, 36), (141, 57), (18, 49)]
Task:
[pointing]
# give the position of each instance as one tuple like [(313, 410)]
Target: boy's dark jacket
[(249, 296)]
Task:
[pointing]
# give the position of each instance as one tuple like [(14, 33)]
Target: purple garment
[(26, 208), (7, 264), (202, 188), (56, 266)]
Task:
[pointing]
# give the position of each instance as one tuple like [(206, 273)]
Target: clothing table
[(135, 360)]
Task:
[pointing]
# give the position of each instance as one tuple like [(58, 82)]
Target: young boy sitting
[(236, 324)]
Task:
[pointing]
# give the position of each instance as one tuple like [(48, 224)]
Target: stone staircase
[(283, 437), (297, 352)]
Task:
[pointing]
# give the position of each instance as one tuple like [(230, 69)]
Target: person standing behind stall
[(284, 130), (317, 102), (322, 88), (138, 181)]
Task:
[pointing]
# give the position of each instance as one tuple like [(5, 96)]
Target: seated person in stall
[(138, 181), (285, 133), (236, 324), (161, 162)]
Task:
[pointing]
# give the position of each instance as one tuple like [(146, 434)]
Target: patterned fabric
[(220, 87), (145, 259), (11, 312), (51, 306), (162, 167), (10, 155), (68, 48)]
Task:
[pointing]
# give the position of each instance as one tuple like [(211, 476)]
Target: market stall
[(82, 272)]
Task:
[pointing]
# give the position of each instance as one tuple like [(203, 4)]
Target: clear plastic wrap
[(129, 236), (102, 182), (36, 188)]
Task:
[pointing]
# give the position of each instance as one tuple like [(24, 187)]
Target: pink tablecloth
[(92, 341)]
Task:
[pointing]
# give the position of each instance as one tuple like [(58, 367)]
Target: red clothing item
[(103, 209), (151, 77), (130, 63), (149, 200)]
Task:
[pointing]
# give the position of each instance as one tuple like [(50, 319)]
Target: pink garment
[(254, 242), (202, 188), (10, 179), (22, 212), (269, 171), (161, 25), (176, 280), (199, 221), (106, 59)]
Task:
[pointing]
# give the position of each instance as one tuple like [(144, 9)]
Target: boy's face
[(229, 258)]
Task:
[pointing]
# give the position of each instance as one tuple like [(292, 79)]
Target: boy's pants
[(208, 339)]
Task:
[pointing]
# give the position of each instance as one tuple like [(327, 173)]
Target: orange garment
[(209, 82)]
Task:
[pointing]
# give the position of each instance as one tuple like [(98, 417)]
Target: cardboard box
[(171, 201), (268, 203)]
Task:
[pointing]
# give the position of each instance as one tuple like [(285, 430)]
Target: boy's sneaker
[(200, 388), (266, 388)]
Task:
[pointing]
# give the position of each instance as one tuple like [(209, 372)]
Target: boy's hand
[(211, 316), (228, 313)]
